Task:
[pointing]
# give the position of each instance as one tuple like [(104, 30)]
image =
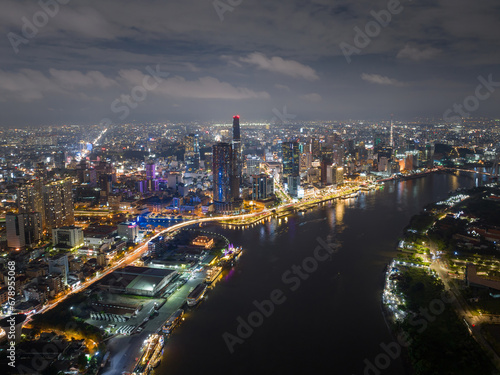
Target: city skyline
[(249, 187), (97, 216)]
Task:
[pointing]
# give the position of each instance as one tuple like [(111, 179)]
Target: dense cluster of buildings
[(75, 198)]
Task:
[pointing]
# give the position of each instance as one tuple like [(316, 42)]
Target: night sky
[(79, 62)]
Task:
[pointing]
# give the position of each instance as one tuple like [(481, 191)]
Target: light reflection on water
[(341, 301)]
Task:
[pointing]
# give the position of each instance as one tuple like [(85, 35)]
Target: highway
[(137, 252), (140, 249)]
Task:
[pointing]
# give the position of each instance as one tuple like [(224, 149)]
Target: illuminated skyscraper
[(23, 229), (391, 141), (315, 147), (15, 231), (192, 151), (291, 166), (253, 165), (291, 158), (150, 170), (222, 171), (262, 186), (237, 165)]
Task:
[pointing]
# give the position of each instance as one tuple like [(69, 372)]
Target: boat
[(352, 195), (237, 253), (173, 321), (212, 274), (151, 354), (157, 362), (196, 295), (367, 187)]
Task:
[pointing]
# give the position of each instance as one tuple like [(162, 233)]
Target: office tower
[(391, 141), (192, 151), (69, 236), (58, 204), (293, 186), (150, 170), (330, 174), (262, 186), (339, 175), (325, 163), (383, 162), (237, 159), (23, 229), (291, 166), (409, 161), (222, 172), (315, 148), (15, 231), (428, 155), (349, 145), (107, 169), (253, 165), (291, 159), (306, 160), (141, 186), (33, 230), (338, 152), (326, 151), (105, 181), (208, 158)]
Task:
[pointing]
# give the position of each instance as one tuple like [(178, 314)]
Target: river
[(327, 320)]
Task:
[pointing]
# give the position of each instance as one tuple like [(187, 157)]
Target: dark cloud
[(262, 55)]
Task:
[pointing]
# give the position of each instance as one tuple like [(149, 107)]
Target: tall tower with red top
[(237, 159)]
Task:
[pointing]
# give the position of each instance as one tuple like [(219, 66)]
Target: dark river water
[(327, 317)]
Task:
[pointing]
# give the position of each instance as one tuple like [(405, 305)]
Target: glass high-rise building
[(192, 151), (222, 169), (237, 166), (291, 167), (291, 159), (262, 186), (150, 170)]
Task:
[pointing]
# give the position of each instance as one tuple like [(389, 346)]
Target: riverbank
[(301, 206), (438, 341), (339, 303), (422, 301)]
